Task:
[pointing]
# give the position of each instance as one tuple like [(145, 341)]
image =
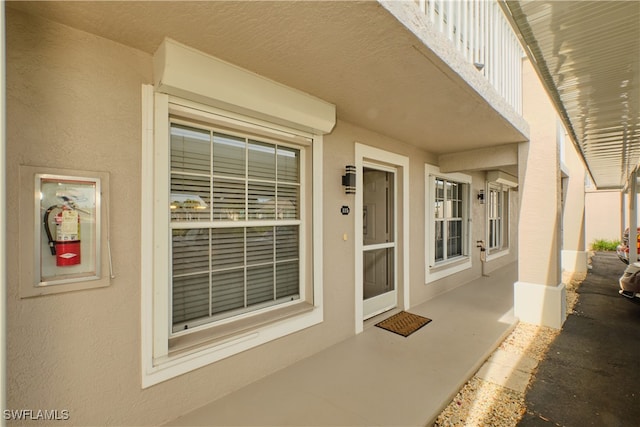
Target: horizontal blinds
[(191, 176), (222, 271)]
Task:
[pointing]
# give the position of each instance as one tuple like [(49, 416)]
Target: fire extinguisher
[(66, 244)]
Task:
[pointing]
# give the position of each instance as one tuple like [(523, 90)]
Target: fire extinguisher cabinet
[(68, 238)]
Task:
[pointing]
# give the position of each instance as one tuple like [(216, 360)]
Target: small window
[(498, 218)]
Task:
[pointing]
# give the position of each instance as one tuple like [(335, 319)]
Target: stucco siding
[(604, 215), (74, 101)]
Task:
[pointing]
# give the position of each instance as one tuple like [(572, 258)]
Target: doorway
[(379, 290), (381, 233)]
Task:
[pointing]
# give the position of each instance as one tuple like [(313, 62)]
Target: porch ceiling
[(353, 54), (588, 55)]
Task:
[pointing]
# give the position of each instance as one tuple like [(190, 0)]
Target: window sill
[(202, 348), (497, 254), (214, 335), (447, 268)]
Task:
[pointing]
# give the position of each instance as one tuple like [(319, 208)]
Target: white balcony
[(480, 31)]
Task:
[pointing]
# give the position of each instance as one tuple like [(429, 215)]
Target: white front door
[(379, 250)]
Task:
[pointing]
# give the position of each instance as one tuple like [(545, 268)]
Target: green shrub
[(604, 245)]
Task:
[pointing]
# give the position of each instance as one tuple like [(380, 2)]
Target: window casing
[(448, 226), (497, 218), (229, 255)]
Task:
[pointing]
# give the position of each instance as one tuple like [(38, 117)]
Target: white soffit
[(500, 177), (188, 73), (588, 56)]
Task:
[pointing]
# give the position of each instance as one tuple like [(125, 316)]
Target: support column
[(539, 295), (574, 255)]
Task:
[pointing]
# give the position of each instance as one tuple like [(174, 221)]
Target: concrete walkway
[(379, 378), (590, 376)]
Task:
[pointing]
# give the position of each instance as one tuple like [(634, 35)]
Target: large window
[(231, 211), (235, 224), (232, 237), (448, 227)]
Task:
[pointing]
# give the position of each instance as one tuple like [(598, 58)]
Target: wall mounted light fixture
[(481, 196), (349, 179)]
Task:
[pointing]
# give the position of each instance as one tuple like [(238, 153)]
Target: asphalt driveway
[(591, 375)]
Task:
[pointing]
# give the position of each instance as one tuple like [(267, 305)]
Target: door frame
[(388, 300), (365, 154)]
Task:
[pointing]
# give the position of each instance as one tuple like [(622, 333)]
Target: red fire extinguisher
[(66, 244)]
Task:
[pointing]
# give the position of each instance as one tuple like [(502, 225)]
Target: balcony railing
[(481, 33)]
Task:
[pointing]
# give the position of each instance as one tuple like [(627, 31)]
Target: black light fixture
[(349, 179), (481, 196)]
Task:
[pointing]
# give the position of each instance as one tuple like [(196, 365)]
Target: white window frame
[(157, 363), (438, 270), (505, 196)]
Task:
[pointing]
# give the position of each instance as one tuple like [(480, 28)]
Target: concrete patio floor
[(378, 377)]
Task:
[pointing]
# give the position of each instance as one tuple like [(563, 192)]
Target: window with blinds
[(235, 224)]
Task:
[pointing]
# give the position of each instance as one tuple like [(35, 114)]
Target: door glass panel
[(378, 235), (378, 272), (378, 221)]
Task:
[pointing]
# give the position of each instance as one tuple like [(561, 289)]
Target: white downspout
[(633, 217), (623, 213)]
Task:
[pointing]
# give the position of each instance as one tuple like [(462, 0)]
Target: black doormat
[(403, 323)]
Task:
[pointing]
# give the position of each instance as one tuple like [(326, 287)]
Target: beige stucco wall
[(74, 100), (604, 215)]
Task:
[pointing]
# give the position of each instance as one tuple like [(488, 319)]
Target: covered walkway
[(378, 377)]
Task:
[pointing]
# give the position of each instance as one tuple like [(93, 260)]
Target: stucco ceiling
[(588, 55), (354, 54)]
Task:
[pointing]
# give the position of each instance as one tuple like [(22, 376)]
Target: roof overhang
[(356, 55), (587, 54)]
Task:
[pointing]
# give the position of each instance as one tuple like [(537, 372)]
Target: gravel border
[(483, 403)]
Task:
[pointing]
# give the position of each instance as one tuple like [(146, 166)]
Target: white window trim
[(503, 251), (507, 182), (436, 271), (155, 325), (498, 254)]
